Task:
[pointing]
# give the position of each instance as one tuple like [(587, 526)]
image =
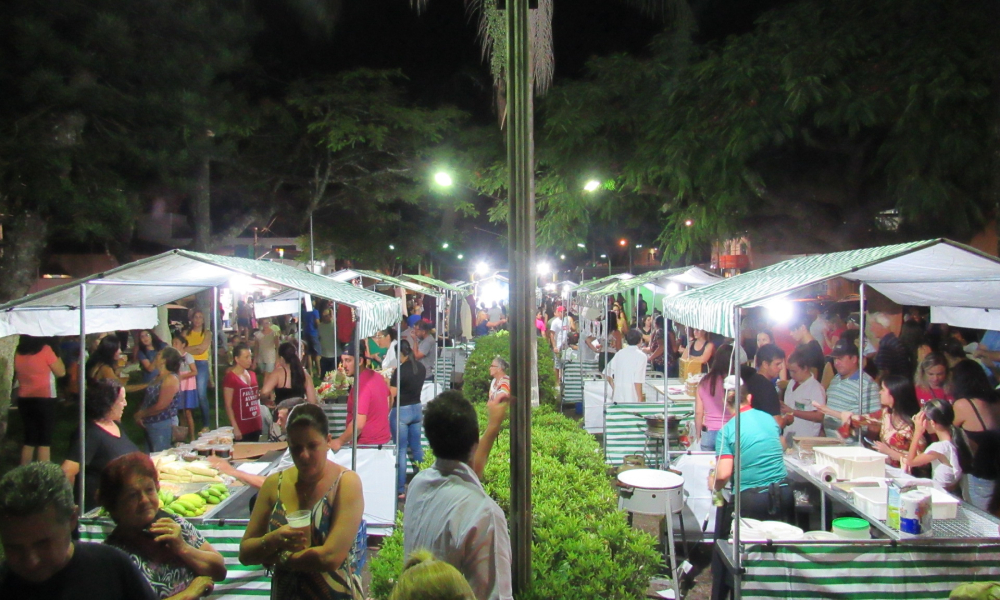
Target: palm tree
[(493, 37)]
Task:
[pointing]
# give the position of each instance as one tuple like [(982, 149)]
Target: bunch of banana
[(166, 497), (214, 493), (187, 505)]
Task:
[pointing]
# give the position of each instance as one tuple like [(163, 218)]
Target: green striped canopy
[(115, 301), (959, 283), (435, 283), (622, 286), (593, 284), (413, 287)]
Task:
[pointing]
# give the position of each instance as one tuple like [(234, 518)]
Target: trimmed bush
[(476, 386), (583, 546)]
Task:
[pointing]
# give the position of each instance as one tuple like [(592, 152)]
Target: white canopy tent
[(287, 302), (127, 297), (960, 284)]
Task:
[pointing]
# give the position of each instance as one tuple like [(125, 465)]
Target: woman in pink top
[(709, 401), (35, 364)]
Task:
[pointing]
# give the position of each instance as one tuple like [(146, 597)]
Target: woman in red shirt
[(34, 366), (931, 377), (242, 397)]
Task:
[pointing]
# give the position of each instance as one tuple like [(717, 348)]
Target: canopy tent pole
[(737, 460), (298, 330), (861, 355), (215, 350), (437, 330), (336, 340), (607, 332), (666, 387), (399, 447), (638, 294), (357, 395), (82, 375)]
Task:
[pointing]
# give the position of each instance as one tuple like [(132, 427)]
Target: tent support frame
[(82, 376)]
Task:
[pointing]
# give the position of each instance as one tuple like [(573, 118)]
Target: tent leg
[(737, 456), (215, 351), (82, 374), (666, 389), (861, 355), (399, 447), (357, 395)]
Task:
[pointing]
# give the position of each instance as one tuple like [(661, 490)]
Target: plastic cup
[(301, 520)]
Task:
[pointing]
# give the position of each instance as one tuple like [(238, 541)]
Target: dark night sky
[(438, 50)]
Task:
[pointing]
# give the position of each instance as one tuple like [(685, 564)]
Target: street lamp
[(443, 179), (482, 269), (592, 185), (579, 245), (688, 223), (562, 257), (392, 247), (543, 268), (445, 245), (622, 242), (461, 256)]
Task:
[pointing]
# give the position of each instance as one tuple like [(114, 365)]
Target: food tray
[(851, 462)]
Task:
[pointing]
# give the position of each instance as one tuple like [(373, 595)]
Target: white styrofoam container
[(851, 462), (874, 501)]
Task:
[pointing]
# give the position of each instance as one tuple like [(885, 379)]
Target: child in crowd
[(187, 397), (937, 417)]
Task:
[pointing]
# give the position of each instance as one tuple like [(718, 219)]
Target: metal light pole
[(521, 234)]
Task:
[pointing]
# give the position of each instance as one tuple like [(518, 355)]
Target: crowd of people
[(157, 555), (268, 393)]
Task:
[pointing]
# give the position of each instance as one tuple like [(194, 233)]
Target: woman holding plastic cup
[(306, 517)]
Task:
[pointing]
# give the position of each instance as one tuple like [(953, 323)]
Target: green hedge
[(477, 378), (583, 546)]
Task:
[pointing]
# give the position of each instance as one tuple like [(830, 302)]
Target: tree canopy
[(101, 99), (822, 117)]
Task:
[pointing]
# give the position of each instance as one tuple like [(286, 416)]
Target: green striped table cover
[(241, 581), (866, 572), (624, 432)]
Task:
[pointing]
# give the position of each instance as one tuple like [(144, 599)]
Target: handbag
[(348, 575)]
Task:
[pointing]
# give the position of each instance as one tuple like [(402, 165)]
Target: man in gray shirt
[(424, 350)]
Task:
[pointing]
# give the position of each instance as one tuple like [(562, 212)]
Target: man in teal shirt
[(764, 493)]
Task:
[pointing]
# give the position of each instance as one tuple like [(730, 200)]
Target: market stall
[(960, 285), (447, 294), (127, 297), (592, 300)]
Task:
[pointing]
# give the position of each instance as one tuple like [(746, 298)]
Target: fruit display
[(194, 504)]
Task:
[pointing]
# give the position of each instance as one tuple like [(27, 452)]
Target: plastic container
[(852, 528), (851, 462), (874, 501)]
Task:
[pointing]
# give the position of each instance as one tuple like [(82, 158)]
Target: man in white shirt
[(626, 372), (447, 511), (800, 395)]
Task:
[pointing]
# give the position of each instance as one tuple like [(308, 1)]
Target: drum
[(650, 492)]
